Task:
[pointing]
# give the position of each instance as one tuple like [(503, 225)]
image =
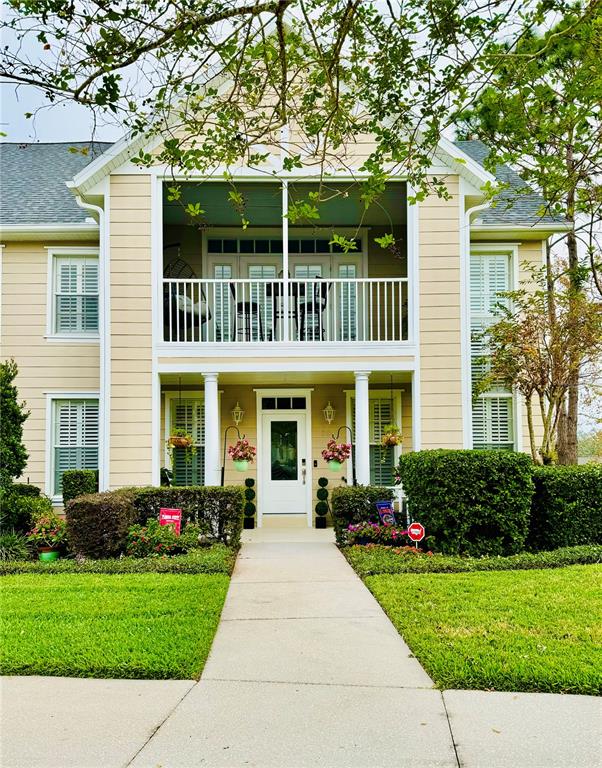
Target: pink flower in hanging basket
[(336, 451), (242, 450)]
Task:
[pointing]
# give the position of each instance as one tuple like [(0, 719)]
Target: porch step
[(284, 521)]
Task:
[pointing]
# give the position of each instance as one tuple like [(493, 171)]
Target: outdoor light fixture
[(237, 413), (329, 413)]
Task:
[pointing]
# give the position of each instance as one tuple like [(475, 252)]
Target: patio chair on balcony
[(312, 308), (183, 313), (247, 325)]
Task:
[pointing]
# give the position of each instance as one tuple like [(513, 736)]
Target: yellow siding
[(441, 363), (44, 366), (131, 331)]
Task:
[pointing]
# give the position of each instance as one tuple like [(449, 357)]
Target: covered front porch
[(288, 418)]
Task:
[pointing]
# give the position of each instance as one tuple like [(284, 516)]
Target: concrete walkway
[(305, 670)]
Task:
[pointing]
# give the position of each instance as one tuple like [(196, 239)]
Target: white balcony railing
[(317, 310)]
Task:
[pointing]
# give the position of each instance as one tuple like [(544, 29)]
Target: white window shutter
[(76, 436), (188, 414), (76, 294)]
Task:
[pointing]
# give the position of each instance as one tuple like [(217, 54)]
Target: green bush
[(13, 455), (19, 512), (98, 524), (356, 504), (13, 546), (373, 560), (79, 482), (218, 511), (567, 507), (215, 559), (470, 502), (24, 489)]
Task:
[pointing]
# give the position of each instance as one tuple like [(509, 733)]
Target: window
[(75, 438), (492, 413), (187, 414), (383, 412), (74, 300)]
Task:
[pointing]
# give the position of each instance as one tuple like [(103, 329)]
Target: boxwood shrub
[(567, 507), (355, 505), (97, 524), (79, 482), (470, 502)]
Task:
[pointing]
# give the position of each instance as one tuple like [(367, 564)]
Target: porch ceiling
[(292, 379)]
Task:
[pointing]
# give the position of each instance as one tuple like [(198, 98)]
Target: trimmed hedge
[(374, 560), (470, 502), (97, 524), (19, 511), (567, 507), (355, 504), (24, 489), (215, 559), (79, 482)]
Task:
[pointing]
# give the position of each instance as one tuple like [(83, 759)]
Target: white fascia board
[(466, 166), (85, 230), (526, 227)]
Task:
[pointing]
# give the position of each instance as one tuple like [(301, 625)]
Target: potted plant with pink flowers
[(49, 534), (336, 454), (241, 453)]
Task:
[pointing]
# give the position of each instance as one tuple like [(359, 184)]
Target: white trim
[(279, 350), (44, 231), (524, 227), (51, 397), (156, 424), (55, 252), (465, 357), (291, 366), (413, 229), (285, 392)]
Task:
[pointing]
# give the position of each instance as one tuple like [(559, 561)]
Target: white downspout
[(105, 346), (465, 320)]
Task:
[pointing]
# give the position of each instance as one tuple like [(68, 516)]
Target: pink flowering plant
[(242, 450), (336, 451), (49, 531), (375, 533)]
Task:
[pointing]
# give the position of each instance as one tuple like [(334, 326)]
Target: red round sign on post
[(416, 531)]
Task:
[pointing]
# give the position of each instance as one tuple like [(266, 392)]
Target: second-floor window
[(493, 411), (75, 295)]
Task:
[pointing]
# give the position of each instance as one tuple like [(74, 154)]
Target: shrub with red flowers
[(336, 451), (375, 533), (152, 540), (242, 450), (49, 531)]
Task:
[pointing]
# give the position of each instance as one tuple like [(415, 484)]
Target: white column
[(362, 428), (212, 466)]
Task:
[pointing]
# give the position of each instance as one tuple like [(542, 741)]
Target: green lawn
[(150, 625), (538, 630)]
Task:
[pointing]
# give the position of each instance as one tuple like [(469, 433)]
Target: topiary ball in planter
[(249, 494), (321, 508), (322, 494), (323, 482), (249, 482), (249, 509)]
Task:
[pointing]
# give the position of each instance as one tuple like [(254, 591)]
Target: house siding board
[(440, 388), (44, 366), (131, 330)]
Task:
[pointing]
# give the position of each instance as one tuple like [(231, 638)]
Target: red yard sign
[(416, 531), (171, 517)]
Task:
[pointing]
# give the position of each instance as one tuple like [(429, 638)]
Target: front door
[(284, 464)]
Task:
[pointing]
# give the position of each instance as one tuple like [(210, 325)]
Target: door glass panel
[(284, 450)]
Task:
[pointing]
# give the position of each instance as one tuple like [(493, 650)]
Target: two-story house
[(128, 319)]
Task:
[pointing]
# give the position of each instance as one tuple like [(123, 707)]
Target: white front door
[(284, 464)]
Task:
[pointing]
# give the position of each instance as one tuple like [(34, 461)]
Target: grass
[(538, 630), (372, 560), (130, 625)]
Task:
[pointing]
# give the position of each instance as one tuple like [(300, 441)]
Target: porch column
[(212, 467), (362, 428)]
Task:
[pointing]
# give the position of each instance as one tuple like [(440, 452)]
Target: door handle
[(303, 474)]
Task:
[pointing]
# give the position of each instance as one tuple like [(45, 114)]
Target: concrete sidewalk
[(305, 670)]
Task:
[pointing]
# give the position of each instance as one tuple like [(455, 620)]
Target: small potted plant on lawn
[(48, 534), (180, 438), (336, 454), (241, 453)]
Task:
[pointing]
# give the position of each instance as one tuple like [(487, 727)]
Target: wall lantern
[(329, 413), (237, 413)]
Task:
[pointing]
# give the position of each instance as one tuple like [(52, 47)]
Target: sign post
[(416, 532), (171, 517)]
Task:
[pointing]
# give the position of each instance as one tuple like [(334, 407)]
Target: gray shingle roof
[(513, 205), (32, 181), (33, 191)]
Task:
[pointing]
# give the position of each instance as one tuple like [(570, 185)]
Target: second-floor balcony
[(235, 311)]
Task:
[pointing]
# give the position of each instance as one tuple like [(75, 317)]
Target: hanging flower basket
[(180, 441), (241, 453), (336, 454), (391, 436)]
